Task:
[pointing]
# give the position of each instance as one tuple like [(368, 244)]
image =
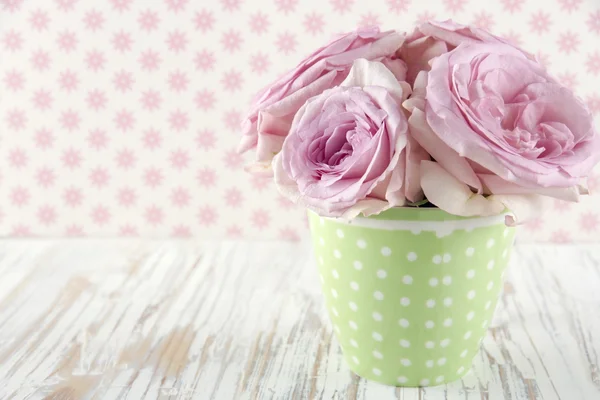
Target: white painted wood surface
[(185, 320)]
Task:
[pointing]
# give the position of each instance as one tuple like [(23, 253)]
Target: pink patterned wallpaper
[(120, 117)]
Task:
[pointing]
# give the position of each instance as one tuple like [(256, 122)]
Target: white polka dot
[(403, 323), (490, 243), (430, 303), (353, 343), (447, 280), (386, 251), (460, 370), (445, 342), (439, 379), (433, 282), (467, 335), (447, 258), (429, 344), (322, 241), (415, 231), (406, 362), (448, 301), (337, 329), (407, 279), (405, 301), (441, 361), (424, 382), (377, 316), (448, 322), (470, 315), (353, 325), (490, 285), (355, 360), (377, 336), (490, 264), (437, 259), (358, 265), (488, 305), (377, 371), (464, 353), (320, 260), (429, 363), (484, 323), (353, 306), (471, 294), (381, 274), (334, 311), (470, 274), (404, 343), (378, 295), (337, 254), (377, 354), (321, 221), (334, 293), (361, 243), (470, 251), (412, 256), (429, 324), (354, 285), (402, 379), (504, 253), (340, 233), (335, 274)]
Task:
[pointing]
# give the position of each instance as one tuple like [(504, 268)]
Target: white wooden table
[(180, 320)]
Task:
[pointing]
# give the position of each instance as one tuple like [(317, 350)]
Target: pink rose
[(497, 123), (348, 151), (270, 118)]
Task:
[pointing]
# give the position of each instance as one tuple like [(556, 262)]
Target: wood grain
[(108, 319)]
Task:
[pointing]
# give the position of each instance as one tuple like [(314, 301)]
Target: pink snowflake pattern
[(313, 23), (17, 158), (204, 60), (259, 63), (45, 177), (176, 41), (154, 215), (153, 177), (66, 5), (455, 6), (74, 231), (72, 196), (180, 159), (180, 197), (20, 230), (398, 6), (593, 63), (259, 182), (424, 17), (233, 197), (204, 99), (206, 140), (569, 5), (100, 215), (16, 119), (513, 38), (483, 20), (40, 60), (593, 103), (178, 120), (234, 232), (11, 5), (231, 5), (568, 42), (42, 99), (121, 5), (181, 231), (68, 81), (286, 43), (149, 60), (99, 177), (95, 60), (122, 41), (589, 222), (204, 21), (232, 80), (151, 100), (148, 20), (543, 59), (93, 20), (512, 6), (128, 231), (207, 216), (46, 215), (14, 80), (176, 5), (593, 22), (562, 206), (44, 139), (39, 20), (19, 196), (540, 22), (67, 41), (233, 159), (342, 6), (152, 139), (126, 197), (97, 139), (569, 79), (12, 41), (286, 6), (71, 158), (260, 219), (124, 120), (231, 40), (369, 19), (289, 234), (126, 159), (259, 23), (178, 81), (560, 236), (123, 81), (207, 177), (96, 99), (233, 119)]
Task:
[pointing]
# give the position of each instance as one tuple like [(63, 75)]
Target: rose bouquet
[(414, 150)]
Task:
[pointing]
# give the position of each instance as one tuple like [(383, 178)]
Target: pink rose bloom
[(270, 118), (496, 123), (348, 151)]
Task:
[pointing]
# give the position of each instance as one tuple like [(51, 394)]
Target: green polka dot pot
[(410, 292)]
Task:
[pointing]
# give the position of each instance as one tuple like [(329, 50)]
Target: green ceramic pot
[(411, 292)]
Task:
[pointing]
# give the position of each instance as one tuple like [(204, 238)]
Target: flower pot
[(411, 291)]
